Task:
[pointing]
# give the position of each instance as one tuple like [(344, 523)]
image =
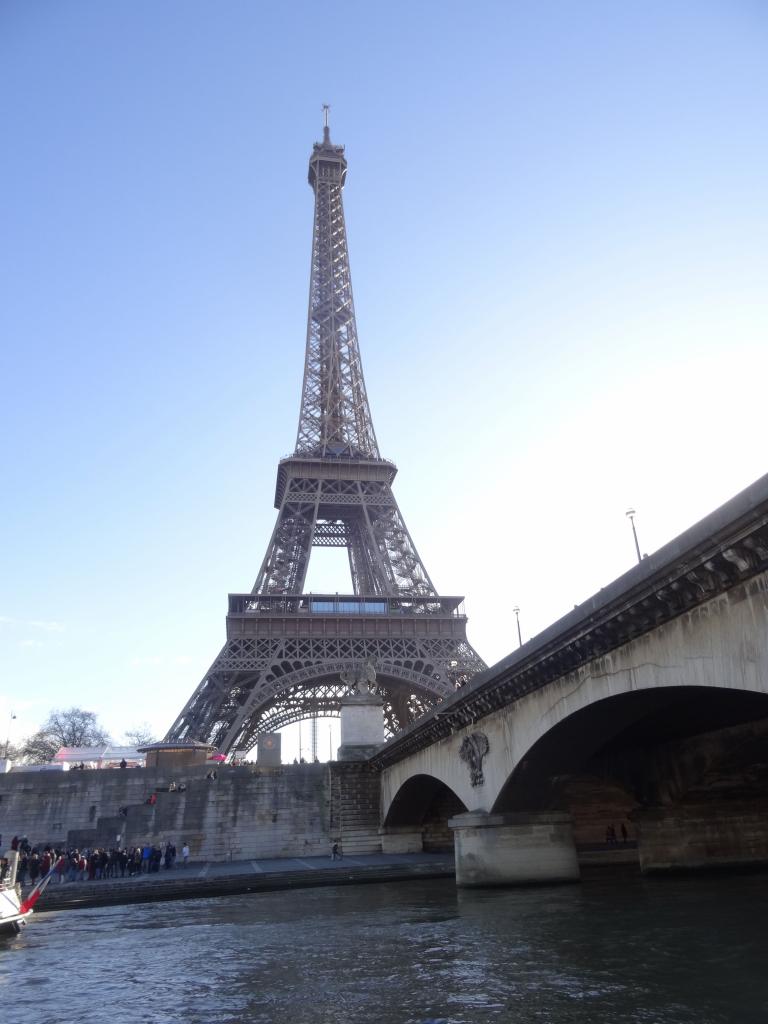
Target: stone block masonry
[(355, 807), (246, 812)]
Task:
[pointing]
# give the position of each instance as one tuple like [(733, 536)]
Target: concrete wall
[(247, 812)]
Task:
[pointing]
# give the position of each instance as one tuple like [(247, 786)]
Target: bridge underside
[(657, 746)]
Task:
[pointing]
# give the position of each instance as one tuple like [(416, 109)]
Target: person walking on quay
[(185, 854), (73, 865), (335, 853), (34, 868)]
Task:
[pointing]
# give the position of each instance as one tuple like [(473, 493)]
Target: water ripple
[(670, 952)]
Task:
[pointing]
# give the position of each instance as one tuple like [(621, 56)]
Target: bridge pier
[(514, 849)]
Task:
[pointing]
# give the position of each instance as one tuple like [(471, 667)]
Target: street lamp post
[(8, 735), (516, 610), (631, 516)]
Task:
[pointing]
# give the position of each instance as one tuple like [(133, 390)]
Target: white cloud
[(49, 627)]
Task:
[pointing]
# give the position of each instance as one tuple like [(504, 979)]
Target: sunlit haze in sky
[(558, 227)]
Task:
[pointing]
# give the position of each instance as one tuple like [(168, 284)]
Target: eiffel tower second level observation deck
[(286, 650)]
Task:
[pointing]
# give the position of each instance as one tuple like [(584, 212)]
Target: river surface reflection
[(613, 949)]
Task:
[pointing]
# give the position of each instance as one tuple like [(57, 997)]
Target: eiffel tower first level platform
[(286, 651)]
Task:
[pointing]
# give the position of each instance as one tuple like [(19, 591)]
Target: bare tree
[(38, 748), (12, 751), (140, 735), (72, 727)]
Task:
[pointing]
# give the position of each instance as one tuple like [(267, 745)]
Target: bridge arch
[(655, 752), (422, 808), (654, 744)]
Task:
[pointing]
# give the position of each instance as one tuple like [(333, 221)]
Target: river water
[(616, 949)]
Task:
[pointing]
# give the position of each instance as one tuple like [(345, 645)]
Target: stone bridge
[(644, 710)]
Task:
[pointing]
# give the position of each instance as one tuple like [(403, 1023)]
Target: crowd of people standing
[(88, 865)]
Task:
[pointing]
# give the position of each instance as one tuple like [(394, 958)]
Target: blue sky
[(558, 226)]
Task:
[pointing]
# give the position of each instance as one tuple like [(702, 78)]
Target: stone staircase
[(355, 798)]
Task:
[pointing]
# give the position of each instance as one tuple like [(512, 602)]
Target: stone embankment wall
[(247, 812)]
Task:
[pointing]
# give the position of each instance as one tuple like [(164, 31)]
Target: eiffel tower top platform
[(286, 651)]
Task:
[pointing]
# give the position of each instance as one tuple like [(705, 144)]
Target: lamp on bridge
[(631, 515), (516, 610), (11, 719)]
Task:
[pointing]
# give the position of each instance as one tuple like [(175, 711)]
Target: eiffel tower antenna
[(286, 651)]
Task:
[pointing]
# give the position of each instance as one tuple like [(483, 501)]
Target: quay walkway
[(225, 878)]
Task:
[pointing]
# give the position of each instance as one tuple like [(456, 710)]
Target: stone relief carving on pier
[(472, 751)]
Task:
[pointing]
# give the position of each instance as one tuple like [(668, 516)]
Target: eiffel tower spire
[(335, 418), (286, 651), (335, 491)]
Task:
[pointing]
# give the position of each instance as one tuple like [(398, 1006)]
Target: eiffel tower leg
[(284, 568), (394, 539), (366, 580), (374, 555)]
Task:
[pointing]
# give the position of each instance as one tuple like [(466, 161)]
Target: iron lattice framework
[(285, 650)]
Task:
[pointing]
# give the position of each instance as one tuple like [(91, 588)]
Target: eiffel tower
[(286, 649)]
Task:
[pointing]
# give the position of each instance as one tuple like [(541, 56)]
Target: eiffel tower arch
[(285, 650)]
